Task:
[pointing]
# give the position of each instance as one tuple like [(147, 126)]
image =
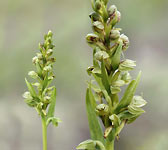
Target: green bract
[(111, 72), (40, 94)]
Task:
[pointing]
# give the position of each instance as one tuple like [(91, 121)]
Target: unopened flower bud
[(102, 109), (48, 68), (51, 60), (112, 10), (27, 95), (98, 27), (50, 77), (125, 40), (33, 74), (115, 15), (101, 55), (49, 52), (39, 55), (35, 60), (98, 5), (95, 16), (50, 34), (92, 38), (114, 34)]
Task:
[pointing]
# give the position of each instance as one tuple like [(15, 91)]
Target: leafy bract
[(129, 93), (51, 109)]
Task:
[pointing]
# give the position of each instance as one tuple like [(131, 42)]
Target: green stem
[(110, 145), (44, 128)]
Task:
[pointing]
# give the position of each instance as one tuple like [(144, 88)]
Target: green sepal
[(107, 131), (129, 93), (135, 110), (138, 101), (127, 65), (115, 120), (115, 90), (54, 121), (91, 145), (31, 89), (87, 145), (30, 102), (94, 125), (125, 115), (132, 119), (119, 83), (119, 128), (98, 27)]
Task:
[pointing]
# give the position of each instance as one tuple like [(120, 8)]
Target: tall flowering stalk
[(110, 71), (40, 94)]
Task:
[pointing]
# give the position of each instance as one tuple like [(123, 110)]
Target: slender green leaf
[(94, 125)]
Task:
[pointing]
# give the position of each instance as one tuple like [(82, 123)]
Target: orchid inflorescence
[(111, 72), (40, 94)]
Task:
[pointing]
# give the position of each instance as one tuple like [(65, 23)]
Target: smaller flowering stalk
[(40, 94), (110, 71)]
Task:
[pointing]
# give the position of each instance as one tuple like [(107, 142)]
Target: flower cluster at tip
[(40, 94), (111, 71)]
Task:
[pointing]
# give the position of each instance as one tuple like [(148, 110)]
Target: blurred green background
[(22, 26)]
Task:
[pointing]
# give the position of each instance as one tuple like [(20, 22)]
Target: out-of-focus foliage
[(21, 25)]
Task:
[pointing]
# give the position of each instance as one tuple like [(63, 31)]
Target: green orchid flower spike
[(110, 71), (40, 94)]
